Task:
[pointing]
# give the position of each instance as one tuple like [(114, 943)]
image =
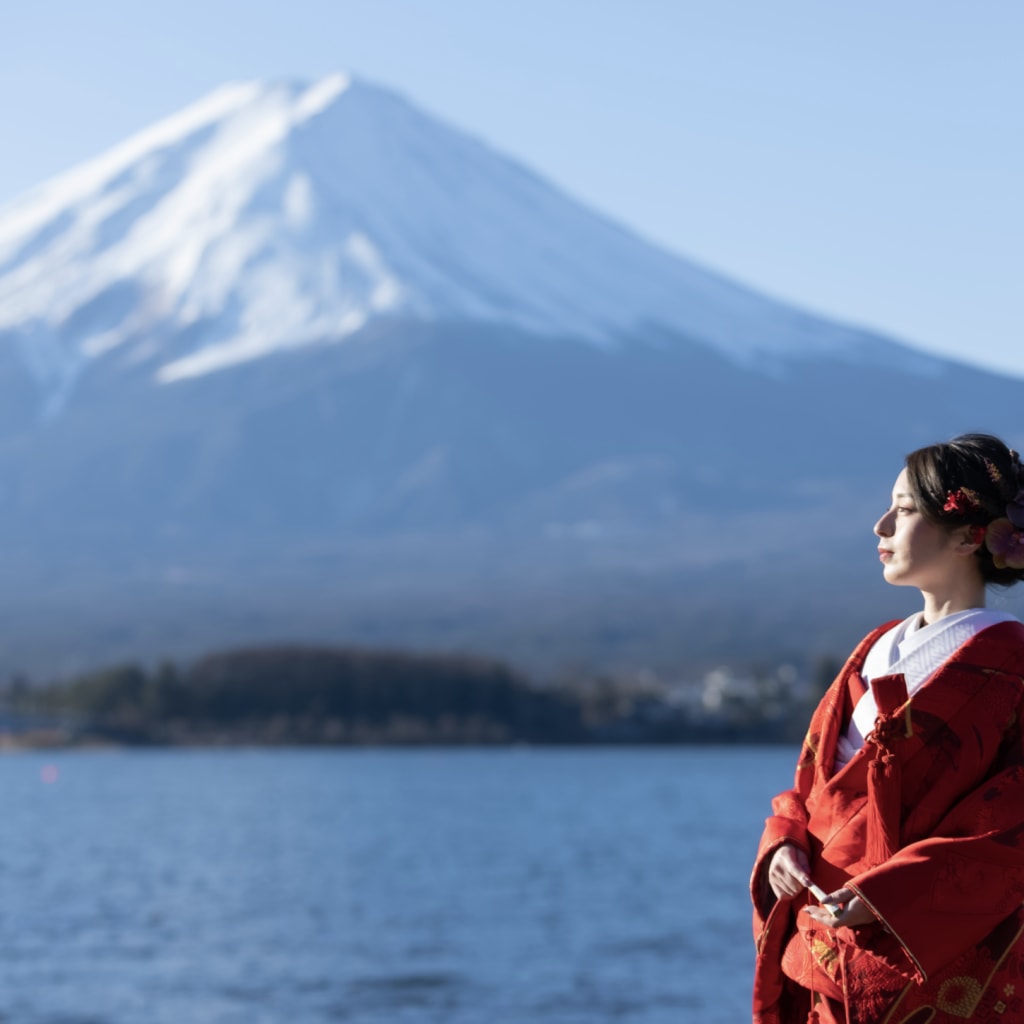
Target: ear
[(968, 539)]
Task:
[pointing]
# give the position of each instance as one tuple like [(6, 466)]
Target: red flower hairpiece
[(962, 500)]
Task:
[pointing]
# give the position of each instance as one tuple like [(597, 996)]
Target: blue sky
[(861, 160)]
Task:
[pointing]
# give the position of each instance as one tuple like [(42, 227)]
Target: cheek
[(926, 544)]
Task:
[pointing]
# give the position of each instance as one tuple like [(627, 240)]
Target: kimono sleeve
[(789, 818), (787, 823)]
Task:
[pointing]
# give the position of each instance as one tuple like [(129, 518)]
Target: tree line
[(350, 696), (308, 695)]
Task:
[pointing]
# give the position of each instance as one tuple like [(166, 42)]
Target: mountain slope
[(301, 362), (266, 217)]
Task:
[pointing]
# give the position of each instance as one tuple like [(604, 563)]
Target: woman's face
[(914, 551)]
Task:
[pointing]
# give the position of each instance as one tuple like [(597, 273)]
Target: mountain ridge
[(268, 216), (197, 448)]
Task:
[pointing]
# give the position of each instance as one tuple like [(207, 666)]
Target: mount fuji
[(302, 361)]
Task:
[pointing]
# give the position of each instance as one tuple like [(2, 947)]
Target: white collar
[(916, 651)]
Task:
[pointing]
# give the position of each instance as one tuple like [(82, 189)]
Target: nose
[(883, 528)]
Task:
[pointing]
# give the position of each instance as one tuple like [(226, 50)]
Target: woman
[(908, 810)]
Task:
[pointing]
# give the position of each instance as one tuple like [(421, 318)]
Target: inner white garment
[(916, 651)]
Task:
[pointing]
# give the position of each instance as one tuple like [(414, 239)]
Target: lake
[(549, 886)]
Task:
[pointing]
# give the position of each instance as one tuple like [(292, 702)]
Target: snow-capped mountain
[(271, 216), (302, 361)]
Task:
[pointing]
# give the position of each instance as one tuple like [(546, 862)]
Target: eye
[(905, 509)]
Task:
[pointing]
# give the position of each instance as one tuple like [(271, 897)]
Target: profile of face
[(916, 552)]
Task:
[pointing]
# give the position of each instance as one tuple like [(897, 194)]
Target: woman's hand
[(855, 911), (789, 873)]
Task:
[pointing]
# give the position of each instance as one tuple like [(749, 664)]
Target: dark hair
[(988, 474)]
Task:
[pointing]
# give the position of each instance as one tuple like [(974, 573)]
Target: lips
[(884, 554)]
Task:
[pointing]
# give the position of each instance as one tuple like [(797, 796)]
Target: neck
[(938, 606)]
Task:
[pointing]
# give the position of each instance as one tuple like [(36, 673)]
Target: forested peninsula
[(353, 697)]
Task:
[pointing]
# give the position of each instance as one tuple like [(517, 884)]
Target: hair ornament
[(963, 500), (1006, 542), (1015, 507)]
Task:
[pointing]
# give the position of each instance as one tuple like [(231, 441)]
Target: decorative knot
[(887, 728)]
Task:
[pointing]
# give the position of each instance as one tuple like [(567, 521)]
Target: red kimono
[(926, 825)]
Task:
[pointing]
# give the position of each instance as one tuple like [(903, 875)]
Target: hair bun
[(975, 480)]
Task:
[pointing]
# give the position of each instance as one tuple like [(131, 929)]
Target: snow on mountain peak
[(320, 95), (268, 216)]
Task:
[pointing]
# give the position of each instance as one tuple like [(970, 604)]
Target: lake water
[(380, 886)]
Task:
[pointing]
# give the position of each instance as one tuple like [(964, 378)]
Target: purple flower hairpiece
[(1005, 537), (1015, 506), (1006, 542)]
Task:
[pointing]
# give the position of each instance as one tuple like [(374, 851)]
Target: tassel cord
[(884, 804)]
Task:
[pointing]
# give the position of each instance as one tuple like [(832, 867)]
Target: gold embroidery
[(1000, 1007), (959, 996), (1008, 990), (824, 953), (810, 756)]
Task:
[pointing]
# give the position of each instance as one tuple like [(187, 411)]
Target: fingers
[(839, 896), (782, 882), (822, 916), (788, 874), (803, 867), (795, 862), (785, 887), (833, 905), (854, 911)]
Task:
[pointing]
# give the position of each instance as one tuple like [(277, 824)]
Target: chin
[(894, 579)]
